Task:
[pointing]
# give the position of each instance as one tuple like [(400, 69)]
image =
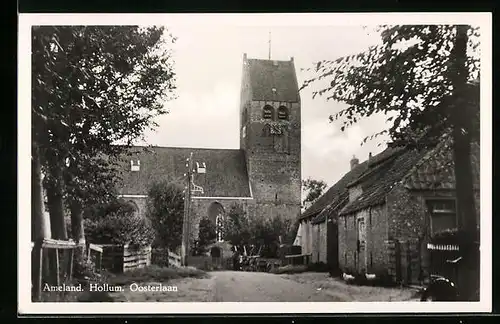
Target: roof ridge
[(313, 209), (376, 167), (390, 176)]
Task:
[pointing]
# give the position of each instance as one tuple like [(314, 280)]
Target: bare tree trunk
[(55, 200), (78, 234), (468, 274), (40, 224)]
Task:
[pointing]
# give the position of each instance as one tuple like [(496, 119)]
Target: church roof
[(226, 172), (266, 75)]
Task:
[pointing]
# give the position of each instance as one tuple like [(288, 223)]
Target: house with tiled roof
[(400, 201), (399, 197), (263, 175)]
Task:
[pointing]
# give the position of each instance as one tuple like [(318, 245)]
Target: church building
[(263, 176)]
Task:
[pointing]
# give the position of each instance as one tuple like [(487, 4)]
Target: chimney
[(244, 56), (369, 156), (354, 162)]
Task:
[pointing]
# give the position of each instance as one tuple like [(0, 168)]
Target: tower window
[(282, 112), (268, 112)]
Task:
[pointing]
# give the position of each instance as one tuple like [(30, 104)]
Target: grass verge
[(147, 274), (155, 273)]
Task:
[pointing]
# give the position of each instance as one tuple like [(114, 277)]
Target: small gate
[(439, 254)]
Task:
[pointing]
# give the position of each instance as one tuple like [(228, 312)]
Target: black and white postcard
[(306, 163)]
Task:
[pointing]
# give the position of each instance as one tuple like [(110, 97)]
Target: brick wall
[(347, 243), (275, 176), (375, 256), (376, 230)]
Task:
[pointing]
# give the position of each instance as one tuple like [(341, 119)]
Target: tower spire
[(269, 45)]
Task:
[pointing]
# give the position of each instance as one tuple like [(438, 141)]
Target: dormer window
[(201, 167), (282, 113), (268, 112), (135, 165)]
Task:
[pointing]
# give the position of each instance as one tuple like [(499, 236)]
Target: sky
[(208, 64)]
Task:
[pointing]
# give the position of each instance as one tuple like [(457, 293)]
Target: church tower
[(270, 134)]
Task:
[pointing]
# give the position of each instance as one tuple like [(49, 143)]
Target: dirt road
[(236, 286)]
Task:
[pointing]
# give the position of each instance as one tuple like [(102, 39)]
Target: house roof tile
[(226, 172), (425, 169), (377, 182), (335, 193), (337, 196), (435, 170)]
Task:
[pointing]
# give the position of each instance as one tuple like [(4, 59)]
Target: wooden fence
[(174, 260), (297, 259), (123, 258), (165, 258), (94, 254), (66, 268)]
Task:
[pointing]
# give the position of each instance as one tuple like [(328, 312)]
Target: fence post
[(70, 265), (56, 251)]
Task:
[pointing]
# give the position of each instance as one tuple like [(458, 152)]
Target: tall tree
[(93, 86), (313, 189), (165, 209), (422, 77)]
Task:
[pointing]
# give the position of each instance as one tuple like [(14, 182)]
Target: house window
[(282, 113), (268, 112), (361, 231), (443, 215)]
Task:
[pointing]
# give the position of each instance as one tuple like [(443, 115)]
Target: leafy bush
[(118, 228), (99, 211), (263, 232)]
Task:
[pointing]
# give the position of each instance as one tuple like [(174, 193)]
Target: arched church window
[(219, 227), (133, 207), (268, 112), (282, 112), (216, 216)]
